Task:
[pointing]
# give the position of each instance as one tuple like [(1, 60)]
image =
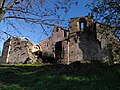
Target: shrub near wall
[(48, 57)]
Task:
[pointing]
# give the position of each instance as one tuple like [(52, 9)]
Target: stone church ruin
[(84, 41)]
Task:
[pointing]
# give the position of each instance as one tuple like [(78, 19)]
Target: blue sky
[(34, 32)]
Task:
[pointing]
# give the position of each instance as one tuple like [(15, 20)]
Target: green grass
[(60, 77)]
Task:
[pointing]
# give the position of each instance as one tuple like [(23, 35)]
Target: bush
[(47, 57)]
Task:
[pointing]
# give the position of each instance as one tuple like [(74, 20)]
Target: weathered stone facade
[(105, 36), (84, 41), (18, 50)]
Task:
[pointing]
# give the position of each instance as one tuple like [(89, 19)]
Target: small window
[(82, 26), (57, 29), (65, 33)]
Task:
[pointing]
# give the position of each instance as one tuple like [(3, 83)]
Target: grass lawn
[(60, 77)]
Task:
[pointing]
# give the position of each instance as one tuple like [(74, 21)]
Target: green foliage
[(60, 77), (47, 54), (47, 57), (10, 87)]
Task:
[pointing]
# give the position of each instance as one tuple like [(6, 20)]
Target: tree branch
[(2, 3), (5, 33), (37, 21)]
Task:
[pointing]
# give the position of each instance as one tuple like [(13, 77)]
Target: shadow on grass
[(60, 77)]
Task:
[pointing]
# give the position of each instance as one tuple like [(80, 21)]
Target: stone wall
[(84, 42), (5, 52), (82, 45), (80, 24), (58, 34), (17, 50), (105, 36), (116, 51)]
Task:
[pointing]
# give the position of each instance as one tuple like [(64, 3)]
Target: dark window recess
[(65, 33), (75, 38), (57, 29), (59, 50), (22, 53), (82, 24)]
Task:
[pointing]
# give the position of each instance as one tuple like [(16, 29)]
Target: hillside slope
[(60, 77)]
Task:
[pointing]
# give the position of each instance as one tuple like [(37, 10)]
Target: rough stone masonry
[(84, 41), (18, 50)]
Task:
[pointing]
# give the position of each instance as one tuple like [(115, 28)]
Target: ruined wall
[(83, 47), (58, 34), (16, 50), (116, 51), (80, 24), (46, 44), (75, 52), (65, 47), (5, 52), (105, 36), (84, 43), (51, 44)]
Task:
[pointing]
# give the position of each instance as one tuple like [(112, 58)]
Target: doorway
[(58, 50)]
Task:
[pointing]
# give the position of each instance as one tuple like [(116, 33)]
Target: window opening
[(57, 29), (65, 33), (58, 50), (82, 26)]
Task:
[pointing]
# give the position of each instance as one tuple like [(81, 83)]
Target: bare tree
[(107, 11), (43, 12)]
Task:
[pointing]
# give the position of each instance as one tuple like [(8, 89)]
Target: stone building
[(18, 50), (85, 41)]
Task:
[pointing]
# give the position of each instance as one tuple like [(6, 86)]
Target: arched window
[(81, 24)]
